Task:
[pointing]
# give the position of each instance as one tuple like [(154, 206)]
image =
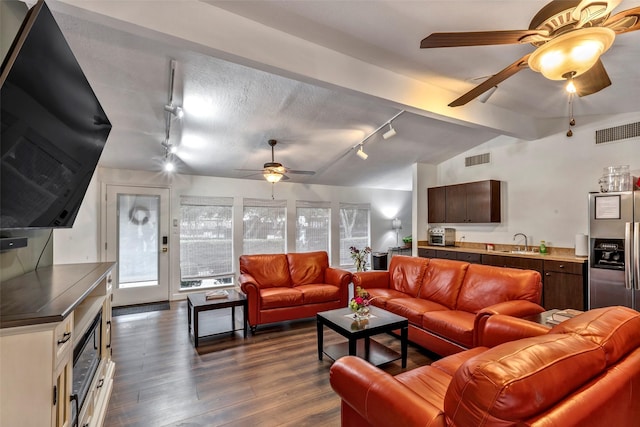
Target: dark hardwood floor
[(272, 378)]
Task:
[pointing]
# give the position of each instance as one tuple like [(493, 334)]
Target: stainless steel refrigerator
[(614, 249)]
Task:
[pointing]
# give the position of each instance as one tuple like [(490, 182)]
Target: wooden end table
[(359, 333), (198, 303)]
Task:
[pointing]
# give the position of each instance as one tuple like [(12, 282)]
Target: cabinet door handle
[(561, 266), (547, 274), (65, 337), (100, 383), (110, 331)]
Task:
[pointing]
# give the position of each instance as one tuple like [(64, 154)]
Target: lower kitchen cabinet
[(564, 285)]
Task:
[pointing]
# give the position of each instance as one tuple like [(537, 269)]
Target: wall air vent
[(479, 159), (617, 133)]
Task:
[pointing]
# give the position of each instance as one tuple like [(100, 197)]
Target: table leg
[(233, 320), (366, 348), (320, 331), (353, 345), (245, 308), (189, 308), (403, 345), (195, 327)]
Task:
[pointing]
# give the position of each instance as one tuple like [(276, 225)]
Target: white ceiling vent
[(617, 133), (479, 159)]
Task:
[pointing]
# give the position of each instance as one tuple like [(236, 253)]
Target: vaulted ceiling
[(319, 76)]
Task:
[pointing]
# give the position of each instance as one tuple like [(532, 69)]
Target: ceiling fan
[(569, 37), (273, 171)]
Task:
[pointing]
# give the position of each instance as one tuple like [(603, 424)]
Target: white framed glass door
[(137, 232)]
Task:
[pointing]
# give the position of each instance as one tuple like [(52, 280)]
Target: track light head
[(175, 110), (169, 166), (390, 133), (361, 153)]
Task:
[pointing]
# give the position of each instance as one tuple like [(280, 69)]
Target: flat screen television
[(53, 128)]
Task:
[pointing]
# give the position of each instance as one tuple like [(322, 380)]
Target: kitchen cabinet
[(513, 262), (470, 257), (436, 204), (472, 202), (426, 253), (564, 285)]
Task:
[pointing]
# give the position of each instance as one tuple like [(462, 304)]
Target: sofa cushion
[(455, 325), (307, 267), (442, 281), (412, 308), (280, 297), (484, 285), (519, 379), (382, 295), (429, 383), (268, 270), (405, 274), (317, 293), (616, 329)]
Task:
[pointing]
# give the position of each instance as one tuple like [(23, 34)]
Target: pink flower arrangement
[(360, 300)]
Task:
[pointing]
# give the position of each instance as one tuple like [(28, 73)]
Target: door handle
[(165, 249), (628, 268), (636, 254)]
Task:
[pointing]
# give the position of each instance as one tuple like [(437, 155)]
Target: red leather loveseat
[(291, 286), (445, 300), (585, 372)]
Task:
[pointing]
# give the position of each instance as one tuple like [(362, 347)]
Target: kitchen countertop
[(562, 254)]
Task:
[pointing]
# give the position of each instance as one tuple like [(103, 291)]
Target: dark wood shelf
[(378, 353)]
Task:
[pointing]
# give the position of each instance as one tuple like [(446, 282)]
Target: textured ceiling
[(318, 76)]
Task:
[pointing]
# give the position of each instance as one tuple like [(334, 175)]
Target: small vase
[(362, 313)]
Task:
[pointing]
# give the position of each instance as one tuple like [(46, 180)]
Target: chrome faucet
[(526, 243)]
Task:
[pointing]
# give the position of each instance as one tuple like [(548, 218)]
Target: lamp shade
[(571, 54), (272, 176), (396, 224)]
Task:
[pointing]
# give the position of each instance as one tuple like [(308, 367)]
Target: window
[(206, 241), (354, 229), (313, 226), (265, 226)]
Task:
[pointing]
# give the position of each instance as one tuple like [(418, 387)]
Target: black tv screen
[(53, 128)]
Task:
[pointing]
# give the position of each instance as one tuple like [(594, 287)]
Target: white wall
[(544, 182), (82, 243)]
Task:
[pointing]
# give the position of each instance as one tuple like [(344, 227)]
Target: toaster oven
[(442, 236)]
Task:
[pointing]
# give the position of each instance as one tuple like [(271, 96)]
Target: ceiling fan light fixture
[(272, 176), (390, 133), (576, 51)]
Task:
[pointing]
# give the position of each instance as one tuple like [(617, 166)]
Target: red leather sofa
[(584, 372), (445, 300), (291, 286)]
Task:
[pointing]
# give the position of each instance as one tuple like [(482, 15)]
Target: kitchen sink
[(524, 252)]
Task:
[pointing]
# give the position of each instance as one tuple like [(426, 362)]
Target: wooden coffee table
[(197, 303), (359, 333)]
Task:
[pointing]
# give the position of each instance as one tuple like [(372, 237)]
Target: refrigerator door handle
[(628, 268), (636, 254)]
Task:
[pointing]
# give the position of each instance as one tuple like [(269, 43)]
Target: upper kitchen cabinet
[(472, 202)]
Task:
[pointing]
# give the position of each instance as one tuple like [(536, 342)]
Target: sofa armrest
[(378, 397), (251, 289), (498, 329), (516, 308), (341, 279), (371, 279)]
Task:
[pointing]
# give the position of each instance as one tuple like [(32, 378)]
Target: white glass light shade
[(272, 176), (396, 224), (574, 52)]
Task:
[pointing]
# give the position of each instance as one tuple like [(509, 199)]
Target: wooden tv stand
[(43, 314)]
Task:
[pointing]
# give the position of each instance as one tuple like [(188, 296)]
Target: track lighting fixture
[(390, 133), (169, 166), (361, 153), (175, 110)]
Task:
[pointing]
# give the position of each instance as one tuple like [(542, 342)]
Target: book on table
[(216, 294), (562, 315)]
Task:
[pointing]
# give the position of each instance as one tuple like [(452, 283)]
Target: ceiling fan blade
[(491, 82), (592, 81), (480, 38), (301, 172), (625, 21)]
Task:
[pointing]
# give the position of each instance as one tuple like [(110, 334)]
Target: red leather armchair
[(584, 372), (291, 286)]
